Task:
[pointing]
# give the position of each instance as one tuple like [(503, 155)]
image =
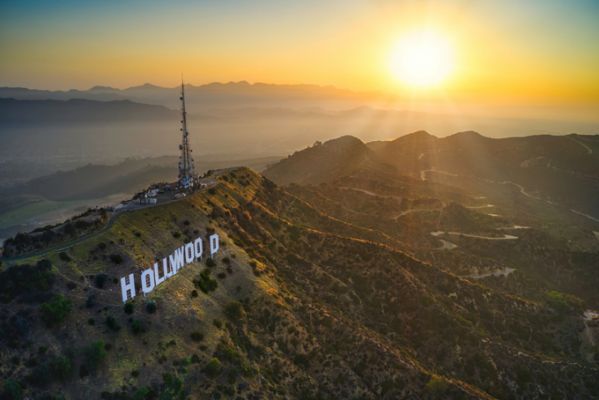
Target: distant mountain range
[(80, 111), (213, 95)]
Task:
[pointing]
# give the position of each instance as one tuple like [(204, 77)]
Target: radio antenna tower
[(186, 169)]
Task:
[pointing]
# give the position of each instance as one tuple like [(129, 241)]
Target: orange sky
[(510, 51)]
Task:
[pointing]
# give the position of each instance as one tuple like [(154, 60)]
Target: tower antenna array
[(186, 168)]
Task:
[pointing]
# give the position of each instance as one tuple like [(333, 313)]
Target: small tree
[(56, 310)]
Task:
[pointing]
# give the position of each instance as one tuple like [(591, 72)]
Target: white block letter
[(214, 243), (128, 287), (176, 260), (157, 279), (199, 248), (189, 253), (167, 271), (147, 281)]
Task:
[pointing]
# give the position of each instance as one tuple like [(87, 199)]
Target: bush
[(138, 327), (143, 393), (151, 307), (116, 258), (100, 280), (197, 336), (12, 390), (128, 308), (112, 324), (56, 310), (563, 302), (95, 353), (61, 368), (204, 282), (437, 386), (234, 311), (25, 279), (64, 256), (210, 262), (172, 388), (213, 368), (194, 293)]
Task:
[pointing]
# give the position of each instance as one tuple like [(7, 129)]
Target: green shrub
[(25, 279), (128, 307), (112, 324), (143, 393), (234, 311), (563, 302), (56, 310), (437, 386), (61, 367), (172, 388), (210, 262), (151, 307), (116, 258), (12, 390), (94, 353), (204, 282), (197, 336), (213, 368), (100, 280), (138, 327)]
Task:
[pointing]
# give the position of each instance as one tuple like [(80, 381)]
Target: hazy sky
[(511, 49)]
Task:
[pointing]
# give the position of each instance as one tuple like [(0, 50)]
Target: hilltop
[(554, 169), (325, 161), (313, 295)]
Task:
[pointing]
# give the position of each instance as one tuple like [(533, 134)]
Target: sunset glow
[(422, 59)]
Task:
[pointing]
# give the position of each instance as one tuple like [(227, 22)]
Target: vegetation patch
[(56, 310), (204, 282)]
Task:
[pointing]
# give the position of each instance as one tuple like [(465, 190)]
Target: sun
[(422, 59)]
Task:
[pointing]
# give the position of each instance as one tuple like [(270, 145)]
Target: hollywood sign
[(151, 277)]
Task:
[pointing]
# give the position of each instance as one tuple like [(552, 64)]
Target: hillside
[(54, 197), (325, 161), (302, 301), (558, 170)]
